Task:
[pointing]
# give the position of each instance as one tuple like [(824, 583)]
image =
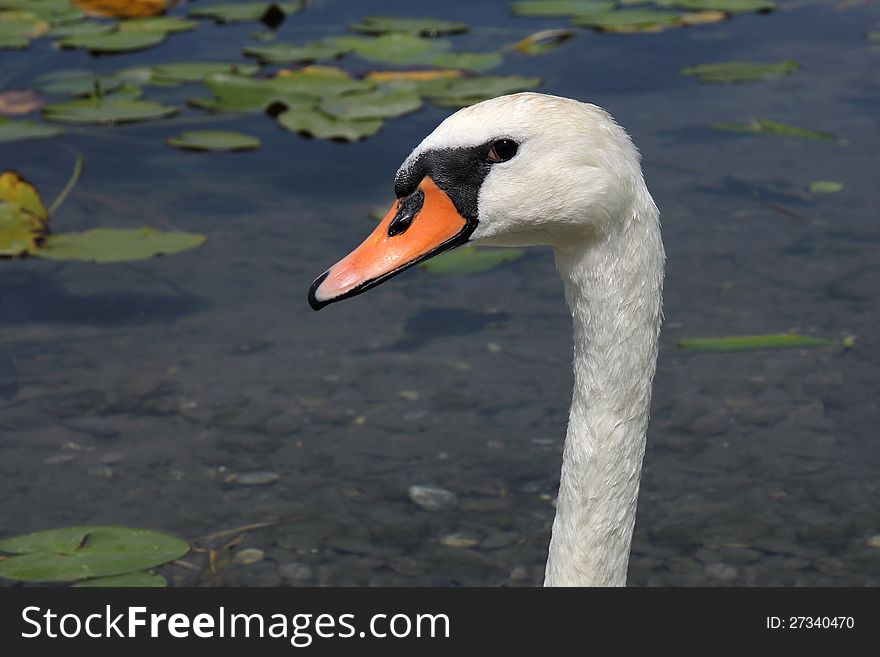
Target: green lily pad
[(379, 104), (762, 125), (20, 230), (468, 61), (13, 42), (235, 93), (730, 6), (139, 580), (80, 28), (20, 130), (105, 245), (394, 48), (74, 553), (76, 82), (214, 140), (289, 53), (110, 42), (460, 92), (736, 71), (825, 187), (54, 11), (107, 110), (167, 74), (470, 260), (321, 125), (242, 12), (543, 41), (751, 342), (16, 23), (166, 24), (628, 20), (429, 27), (553, 8)]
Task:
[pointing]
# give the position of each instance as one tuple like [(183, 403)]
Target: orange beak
[(417, 227)]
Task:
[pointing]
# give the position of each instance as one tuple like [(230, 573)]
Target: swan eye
[(502, 150)]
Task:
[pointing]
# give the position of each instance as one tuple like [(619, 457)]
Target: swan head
[(518, 170)]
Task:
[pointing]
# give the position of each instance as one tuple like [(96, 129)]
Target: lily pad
[(379, 104), (751, 342), (76, 82), (53, 11), (158, 24), (553, 8), (74, 553), (289, 53), (110, 42), (825, 187), (737, 71), (19, 193), (107, 110), (629, 20), (543, 41), (470, 260), (730, 6), (321, 125), (214, 140), (179, 72), (243, 12), (104, 245), (22, 24), (428, 27), (13, 42), (80, 29), (235, 93), (20, 130), (469, 61), (16, 102), (395, 48), (762, 125), (467, 91), (139, 580)]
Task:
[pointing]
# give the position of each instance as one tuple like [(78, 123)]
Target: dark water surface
[(149, 394)]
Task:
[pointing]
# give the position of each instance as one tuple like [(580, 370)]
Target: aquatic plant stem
[(74, 178)]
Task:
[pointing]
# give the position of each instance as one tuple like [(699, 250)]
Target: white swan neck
[(613, 288)]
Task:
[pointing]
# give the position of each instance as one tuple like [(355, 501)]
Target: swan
[(534, 169)]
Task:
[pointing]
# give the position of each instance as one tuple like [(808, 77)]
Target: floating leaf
[(411, 76), (429, 27), (323, 81), (214, 140), (48, 10), (140, 579), (395, 48), (107, 110), (20, 101), (379, 104), (17, 28), (467, 91), (737, 71), (121, 8), (470, 61), (553, 8), (74, 553), (19, 230), (289, 53), (758, 124), (235, 93), (76, 83), (243, 12), (118, 41), (543, 41), (158, 24), (470, 260), (19, 193), (749, 342), (13, 42), (196, 71), (703, 17), (324, 126), (21, 130), (730, 6), (630, 20), (825, 187), (79, 29), (106, 245)]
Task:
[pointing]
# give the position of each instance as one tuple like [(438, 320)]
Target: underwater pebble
[(295, 571), (519, 574), (409, 395), (255, 478), (499, 540), (458, 541), (405, 566), (249, 555), (874, 541), (433, 498)]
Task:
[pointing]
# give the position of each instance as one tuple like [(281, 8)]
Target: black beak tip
[(313, 300)]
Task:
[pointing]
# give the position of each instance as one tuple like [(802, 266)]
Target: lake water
[(150, 394)]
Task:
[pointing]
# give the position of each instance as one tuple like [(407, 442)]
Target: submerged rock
[(433, 498)]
